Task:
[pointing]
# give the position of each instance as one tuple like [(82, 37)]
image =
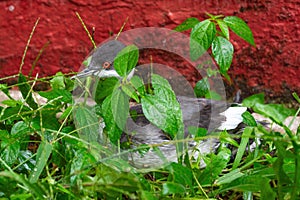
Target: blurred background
[(272, 67)]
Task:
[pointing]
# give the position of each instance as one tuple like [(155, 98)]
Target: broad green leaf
[(222, 51), (157, 112), (213, 95), (58, 81), (10, 150), (254, 99), (148, 195), (138, 84), (158, 82), (224, 28), (277, 112), (282, 177), (120, 107), (162, 108), (114, 131), (47, 119), (127, 182), (19, 127), (35, 189), (87, 123), (239, 27), (201, 39), (197, 131), (104, 88), (130, 91), (249, 119), (60, 95), (214, 167), (12, 102), (126, 60), (26, 91), (172, 188), (180, 174), (11, 112), (241, 150), (202, 87), (81, 158), (187, 24), (252, 183), (26, 158), (43, 153)]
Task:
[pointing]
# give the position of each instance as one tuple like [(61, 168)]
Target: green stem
[(297, 176)]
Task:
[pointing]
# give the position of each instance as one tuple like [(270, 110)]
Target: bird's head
[(101, 61)]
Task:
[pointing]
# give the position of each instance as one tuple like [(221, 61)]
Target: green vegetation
[(43, 155)]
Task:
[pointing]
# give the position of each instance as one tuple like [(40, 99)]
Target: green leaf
[(26, 158), (222, 51), (180, 174), (225, 137), (10, 150), (120, 107), (11, 112), (296, 97), (224, 28), (197, 131), (12, 102), (187, 24), (126, 60), (33, 188), (60, 95), (148, 195), (138, 84), (277, 112), (42, 156), (87, 123), (66, 113), (87, 61), (245, 138), (254, 99), (115, 109), (202, 87), (172, 188), (239, 27), (26, 91), (202, 36), (105, 88), (252, 183), (130, 91), (4, 89), (214, 166), (213, 95), (231, 176), (249, 119), (162, 108), (58, 81)]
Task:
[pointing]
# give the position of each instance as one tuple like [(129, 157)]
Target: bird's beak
[(84, 73)]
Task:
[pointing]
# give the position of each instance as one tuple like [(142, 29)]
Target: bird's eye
[(106, 65)]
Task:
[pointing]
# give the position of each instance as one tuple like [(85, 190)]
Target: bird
[(100, 63), (215, 116)]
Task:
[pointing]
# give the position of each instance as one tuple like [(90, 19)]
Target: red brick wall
[(272, 67)]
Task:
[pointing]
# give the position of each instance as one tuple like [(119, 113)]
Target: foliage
[(43, 155), (214, 32)]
